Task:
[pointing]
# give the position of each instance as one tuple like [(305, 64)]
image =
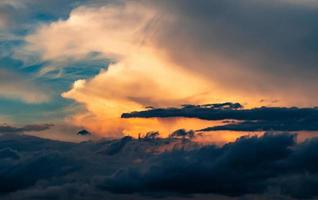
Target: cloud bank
[(277, 167)]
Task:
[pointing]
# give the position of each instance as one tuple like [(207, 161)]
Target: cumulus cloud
[(167, 53), (138, 77)]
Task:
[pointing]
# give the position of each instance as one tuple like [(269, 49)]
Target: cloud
[(238, 42), (14, 86), (232, 170), (239, 119), (26, 128), (270, 166), (136, 78), (167, 53), (24, 15), (283, 125)]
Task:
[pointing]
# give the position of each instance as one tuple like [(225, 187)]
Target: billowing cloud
[(277, 168), (137, 78), (168, 53), (14, 86)]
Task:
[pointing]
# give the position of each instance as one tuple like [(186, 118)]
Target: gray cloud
[(59, 170), (26, 128), (267, 47), (256, 119), (232, 170), (282, 125)]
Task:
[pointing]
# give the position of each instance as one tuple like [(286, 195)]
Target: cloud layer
[(270, 166), (239, 119)]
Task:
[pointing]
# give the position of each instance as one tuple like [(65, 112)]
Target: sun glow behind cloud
[(142, 73), (131, 85)]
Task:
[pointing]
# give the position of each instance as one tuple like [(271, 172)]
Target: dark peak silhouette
[(83, 132)]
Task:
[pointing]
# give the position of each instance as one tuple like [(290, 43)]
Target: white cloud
[(141, 75)]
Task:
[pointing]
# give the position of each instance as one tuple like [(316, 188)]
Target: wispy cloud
[(15, 86), (27, 128)]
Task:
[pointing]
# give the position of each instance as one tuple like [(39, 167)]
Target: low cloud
[(232, 170), (265, 167), (26, 128), (280, 125)]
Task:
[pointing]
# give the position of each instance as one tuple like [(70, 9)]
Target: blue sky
[(22, 18)]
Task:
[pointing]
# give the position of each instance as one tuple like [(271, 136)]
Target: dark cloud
[(273, 166), (269, 164), (182, 133), (8, 153), (266, 47), (232, 169), (280, 125), (215, 113), (255, 119), (26, 128)]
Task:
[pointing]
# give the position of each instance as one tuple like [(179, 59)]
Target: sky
[(82, 64), (158, 99)]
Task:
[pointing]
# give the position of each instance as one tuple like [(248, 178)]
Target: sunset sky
[(84, 63), (148, 99)]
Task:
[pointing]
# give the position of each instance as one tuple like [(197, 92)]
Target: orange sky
[(142, 74)]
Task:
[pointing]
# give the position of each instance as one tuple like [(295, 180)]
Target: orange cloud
[(141, 75)]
